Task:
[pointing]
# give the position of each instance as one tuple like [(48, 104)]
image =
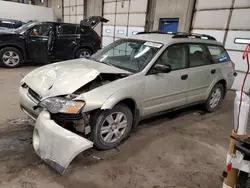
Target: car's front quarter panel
[(107, 96), (13, 40)]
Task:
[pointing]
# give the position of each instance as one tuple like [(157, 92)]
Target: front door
[(167, 90), (37, 42)]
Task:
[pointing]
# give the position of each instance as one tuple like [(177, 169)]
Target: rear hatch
[(93, 22)]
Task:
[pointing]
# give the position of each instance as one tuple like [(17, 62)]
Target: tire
[(10, 57), (83, 53), (211, 106), (101, 140)]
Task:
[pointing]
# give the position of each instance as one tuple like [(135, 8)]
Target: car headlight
[(62, 105)]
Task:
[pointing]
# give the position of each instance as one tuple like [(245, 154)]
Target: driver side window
[(40, 30), (175, 56)]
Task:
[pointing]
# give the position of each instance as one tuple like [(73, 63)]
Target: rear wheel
[(10, 57), (83, 53), (214, 98), (111, 127)]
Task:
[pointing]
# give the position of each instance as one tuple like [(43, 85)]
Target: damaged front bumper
[(55, 145)]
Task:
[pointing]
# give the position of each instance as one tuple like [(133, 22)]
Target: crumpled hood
[(66, 77)]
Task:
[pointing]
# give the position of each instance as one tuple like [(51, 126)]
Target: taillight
[(99, 38), (233, 65)]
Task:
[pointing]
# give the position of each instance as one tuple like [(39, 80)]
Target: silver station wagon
[(97, 101)]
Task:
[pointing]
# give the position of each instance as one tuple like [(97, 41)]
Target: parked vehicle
[(105, 96), (8, 24), (48, 42)]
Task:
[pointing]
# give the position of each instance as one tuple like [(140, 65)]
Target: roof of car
[(10, 20), (166, 38), (58, 23)]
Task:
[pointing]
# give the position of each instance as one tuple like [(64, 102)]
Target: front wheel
[(111, 127), (10, 57), (214, 98)]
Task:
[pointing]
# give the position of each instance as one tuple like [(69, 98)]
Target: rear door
[(65, 41), (202, 72)]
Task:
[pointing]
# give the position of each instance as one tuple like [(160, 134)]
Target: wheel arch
[(17, 47), (223, 82), (132, 105), (81, 47)]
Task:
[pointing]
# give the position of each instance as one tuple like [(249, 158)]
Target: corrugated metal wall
[(226, 20), (126, 17), (73, 11)]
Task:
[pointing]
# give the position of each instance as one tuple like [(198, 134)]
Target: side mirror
[(161, 69)]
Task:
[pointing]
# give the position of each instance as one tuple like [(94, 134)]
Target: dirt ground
[(185, 149)]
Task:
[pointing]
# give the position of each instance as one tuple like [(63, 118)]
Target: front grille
[(33, 95)]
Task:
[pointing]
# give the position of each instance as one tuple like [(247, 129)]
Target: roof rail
[(180, 34), (193, 35), (149, 32)]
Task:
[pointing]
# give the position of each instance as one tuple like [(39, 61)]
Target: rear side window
[(198, 55), (67, 29), (218, 54)]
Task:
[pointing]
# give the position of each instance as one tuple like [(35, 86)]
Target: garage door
[(73, 11), (125, 18), (229, 22)]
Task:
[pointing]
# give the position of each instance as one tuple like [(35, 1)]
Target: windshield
[(128, 54), (25, 27)]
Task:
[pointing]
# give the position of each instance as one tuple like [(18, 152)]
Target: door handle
[(213, 71), (184, 77)]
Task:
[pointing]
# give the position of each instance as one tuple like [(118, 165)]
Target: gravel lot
[(185, 149)]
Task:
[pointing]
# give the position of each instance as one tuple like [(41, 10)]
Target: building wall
[(39, 3), (226, 20), (73, 11), (56, 5), (25, 12), (125, 18), (93, 8), (181, 9)]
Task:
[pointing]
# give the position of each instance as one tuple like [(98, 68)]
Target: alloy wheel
[(113, 127), (215, 98), (10, 58), (84, 54)]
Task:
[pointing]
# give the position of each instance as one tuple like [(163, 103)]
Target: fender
[(14, 45), (115, 99)]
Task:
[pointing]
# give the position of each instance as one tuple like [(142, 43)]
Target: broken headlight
[(62, 105)]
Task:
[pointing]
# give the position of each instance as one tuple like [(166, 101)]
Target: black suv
[(49, 42)]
